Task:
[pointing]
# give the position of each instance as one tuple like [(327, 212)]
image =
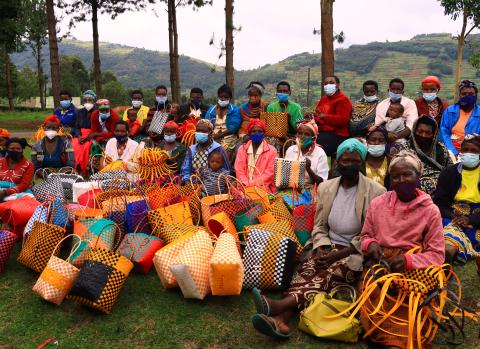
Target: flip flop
[(262, 325), (261, 303)]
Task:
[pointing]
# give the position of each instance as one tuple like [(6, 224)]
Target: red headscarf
[(51, 118), (256, 122), (172, 124), (311, 125), (4, 133), (432, 79)]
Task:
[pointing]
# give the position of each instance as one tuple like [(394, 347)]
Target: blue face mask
[(257, 138), (395, 97), (65, 104), (429, 97), (201, 137), (161, 100), (469, 160), (376, 150), (282, 97), (196, 102), (330, 89), (467, 102), (104, 116)]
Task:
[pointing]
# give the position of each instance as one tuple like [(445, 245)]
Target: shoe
[(263, 324)]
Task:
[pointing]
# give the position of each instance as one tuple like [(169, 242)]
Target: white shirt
[(317, 157), (128, 154)]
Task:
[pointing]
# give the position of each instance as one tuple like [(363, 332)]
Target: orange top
[(458, 131)]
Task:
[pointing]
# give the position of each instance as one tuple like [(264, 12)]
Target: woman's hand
[(398, 264), (374, 251), (325, 259), (308, 164), (462, 221)]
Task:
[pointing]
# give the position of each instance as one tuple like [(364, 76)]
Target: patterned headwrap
[(409, 157), (51, 118), (205, 122), (102, 103), (380, 129), (90, 93), (352, 145), (432, 79), (4, 133), (258, 85), (311, 124), (256, 122), (472, 138), (172, 124), (468, 83)]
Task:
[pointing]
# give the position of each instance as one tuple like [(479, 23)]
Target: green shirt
[(293, 109)]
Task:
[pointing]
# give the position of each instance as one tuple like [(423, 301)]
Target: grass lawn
[(147, 316), (22, 120)]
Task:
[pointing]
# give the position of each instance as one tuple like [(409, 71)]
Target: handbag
[(290, 173), (101, 279), (191, 267), (40, 214), (164, 258), (247, 217), (171, 232), (17, 213), (58, 277), (268, 260), (226, 267), (304, 220), (80, 188), (136, 217), (88, 198), (277, 212), (282, 228), (178, 213), (276, 124), (341, 328), (220, 223), (67, 180), (50, 187), (140, 249), (7, 241)]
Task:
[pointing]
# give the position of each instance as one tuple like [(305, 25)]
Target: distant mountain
[(410, 60)]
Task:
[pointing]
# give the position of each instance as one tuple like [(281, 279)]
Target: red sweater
[(110, 125), (21, 174), (338, 110), (422, 107)]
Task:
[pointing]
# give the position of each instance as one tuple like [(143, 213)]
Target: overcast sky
[(272, 29)]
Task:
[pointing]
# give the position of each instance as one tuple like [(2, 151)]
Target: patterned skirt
[(309, 280)]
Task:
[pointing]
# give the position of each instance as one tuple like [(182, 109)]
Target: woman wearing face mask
[(226, 120), (461, 118), (363, 114), (429, 103), (253, 108), (54, 151), (15, 170), (335, 243), (83, 127), (284, 104), (197, 155), (332, 116), (137, 104), (458, 197), (174, 149), (312, 153), (120, 147), (254, 165), (396, 222), (66, 112), (431, 152), (376, 164)]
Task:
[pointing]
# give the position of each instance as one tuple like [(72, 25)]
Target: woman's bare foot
[(450, 253), (279, 306)]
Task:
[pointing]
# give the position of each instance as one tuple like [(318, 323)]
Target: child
[(133, 123), (395, 122), (213, 174)]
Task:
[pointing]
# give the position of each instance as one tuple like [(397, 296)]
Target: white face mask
[(137, 104), (88, 106), (223, 104), (376, 150), (170, 138), (51, 134)]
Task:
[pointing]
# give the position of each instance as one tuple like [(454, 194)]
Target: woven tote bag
[(140, 249), (178, 213), (276, 124), (171, 232), (7, 241), (220, 223)]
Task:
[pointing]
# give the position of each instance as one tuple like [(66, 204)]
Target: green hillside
[(410, 60)]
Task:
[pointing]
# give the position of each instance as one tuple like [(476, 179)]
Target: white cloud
[(272, 29)]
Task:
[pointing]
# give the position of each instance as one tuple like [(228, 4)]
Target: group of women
[(430, 168)]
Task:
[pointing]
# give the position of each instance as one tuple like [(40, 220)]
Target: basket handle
[(74, 249), (352, 292)]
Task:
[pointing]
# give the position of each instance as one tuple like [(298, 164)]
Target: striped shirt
[(211, 179), (21, 174)]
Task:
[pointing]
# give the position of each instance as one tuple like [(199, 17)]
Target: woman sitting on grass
[(336, 256)]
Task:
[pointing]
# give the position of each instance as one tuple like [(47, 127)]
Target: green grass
[(22, 120), (147, 316)]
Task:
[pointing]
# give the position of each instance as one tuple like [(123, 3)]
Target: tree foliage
[(74, 75)]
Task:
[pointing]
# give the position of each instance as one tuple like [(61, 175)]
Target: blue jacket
[(187, 167), (233, 119), (69, 118), (449, 119)]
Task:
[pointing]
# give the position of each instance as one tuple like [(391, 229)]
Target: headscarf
[(4, 133), (22, 141), (472, 138), (51, 118), (258, 123), (311, 125), (432, 79), (352, 145), (467, 83), (103, 103), (172, 124), (91, 94), (380, 129), (205, 122), (258, 85), (409, 157)]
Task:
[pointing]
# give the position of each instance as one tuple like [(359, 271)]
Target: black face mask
[(423, 142), (122, 139), (14, 155), (350, 171)]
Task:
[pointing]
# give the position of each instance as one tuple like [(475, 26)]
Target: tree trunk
[(96, 50), (173, 51), (53, 48), (229, 77), (8, 78), (460, 46), (326, 31), (40, 74)]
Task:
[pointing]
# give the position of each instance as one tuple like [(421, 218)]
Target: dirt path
[(22, 134)]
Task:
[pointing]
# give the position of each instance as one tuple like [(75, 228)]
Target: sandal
[(262, 324), (261, 303)]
